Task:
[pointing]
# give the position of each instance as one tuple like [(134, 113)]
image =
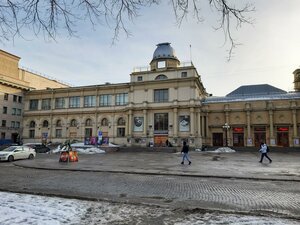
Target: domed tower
[(164, 57), (297, 80)]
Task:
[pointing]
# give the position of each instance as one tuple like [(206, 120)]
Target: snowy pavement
[(34, 209)]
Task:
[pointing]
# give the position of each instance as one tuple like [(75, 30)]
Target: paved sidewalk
[(239, 165)]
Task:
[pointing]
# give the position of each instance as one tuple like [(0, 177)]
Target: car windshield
[(9, 149)]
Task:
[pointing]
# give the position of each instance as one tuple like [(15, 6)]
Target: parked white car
[(12, 153)]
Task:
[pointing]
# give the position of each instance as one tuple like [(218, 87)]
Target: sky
[(268, 53), (33, 209)]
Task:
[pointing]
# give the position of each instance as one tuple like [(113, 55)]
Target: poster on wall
[(138, 124), (184, 123)]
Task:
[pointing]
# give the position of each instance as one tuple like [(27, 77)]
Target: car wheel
[(31, 156), (10, 158)]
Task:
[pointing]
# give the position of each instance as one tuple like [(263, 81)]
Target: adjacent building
[(15, 82), (162, 104)]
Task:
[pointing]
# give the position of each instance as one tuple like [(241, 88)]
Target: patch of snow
[(34, 209), (222, 149), (80, 148), (112, 145)]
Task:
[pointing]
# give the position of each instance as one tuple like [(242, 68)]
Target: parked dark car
[(39, 148)]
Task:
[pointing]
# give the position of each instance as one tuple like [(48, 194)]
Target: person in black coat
[(185, 151)]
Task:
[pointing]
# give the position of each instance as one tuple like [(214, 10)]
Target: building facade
[(252, 114), (159, 103), (14, 83), (162, 104)]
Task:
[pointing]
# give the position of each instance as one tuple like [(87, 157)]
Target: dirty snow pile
[(222, 149), (82, 148)]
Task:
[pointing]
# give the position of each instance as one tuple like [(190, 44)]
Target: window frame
[(161, 95), (105, 100), (89, 101), (46, 104), (33, 104), (74, 102), (122, 99), (60, 103)]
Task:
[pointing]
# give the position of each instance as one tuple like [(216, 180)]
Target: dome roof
[(164, 50)]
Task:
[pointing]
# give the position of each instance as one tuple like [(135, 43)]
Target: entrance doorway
[(218, 139), (283, 139), (258, 138), (160, 140), (238, 139), (238, 136), (15, 137), (283, 136), (259, 135)]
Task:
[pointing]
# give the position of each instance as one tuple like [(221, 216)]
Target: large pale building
[(159, 103), (14, 83), (165, 102)]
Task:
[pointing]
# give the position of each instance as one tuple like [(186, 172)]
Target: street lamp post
[(226, 127)]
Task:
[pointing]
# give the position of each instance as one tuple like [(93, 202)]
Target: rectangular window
[(140, 78), (17, 124), (33, 104), (15, 98), (121, 132), (2, 135), (12, 124), (161, 64), (46, 104), (90, 101), (161, 122), (183, 74), (105, 100), (122, 99), (5, 96), (3, 123), (19, 112), (20, 99), (60, 103), (58, 133), (74, 102), (161, 95), (4, 110), (13, 111), (31, 133)]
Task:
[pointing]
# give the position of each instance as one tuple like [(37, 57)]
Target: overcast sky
[(269, 53)]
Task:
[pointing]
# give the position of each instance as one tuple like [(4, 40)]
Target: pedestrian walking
[(185, 151), (263, 150)]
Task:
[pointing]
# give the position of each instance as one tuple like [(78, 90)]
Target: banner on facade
[(138, 124), (184, 123)]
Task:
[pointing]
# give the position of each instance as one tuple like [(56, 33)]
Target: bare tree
[(48, 17)]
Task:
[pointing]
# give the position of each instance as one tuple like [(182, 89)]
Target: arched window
[(88, 122), (58, 123), (121, 122), (45, 123), (161, 77), (73, 123), (32, 124), (104, 122)]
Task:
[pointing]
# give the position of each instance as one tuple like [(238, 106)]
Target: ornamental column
[(129, 123), (192, 122), (199, 124), (272, 140), (145, 123), (175, 122)]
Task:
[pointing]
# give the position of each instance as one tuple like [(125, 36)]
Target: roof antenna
[(191, 53)]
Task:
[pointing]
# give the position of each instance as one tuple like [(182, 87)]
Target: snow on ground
[(80, 148), (42, 210), (222, 149)]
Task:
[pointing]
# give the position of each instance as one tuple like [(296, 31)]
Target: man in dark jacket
[(185, 151)]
